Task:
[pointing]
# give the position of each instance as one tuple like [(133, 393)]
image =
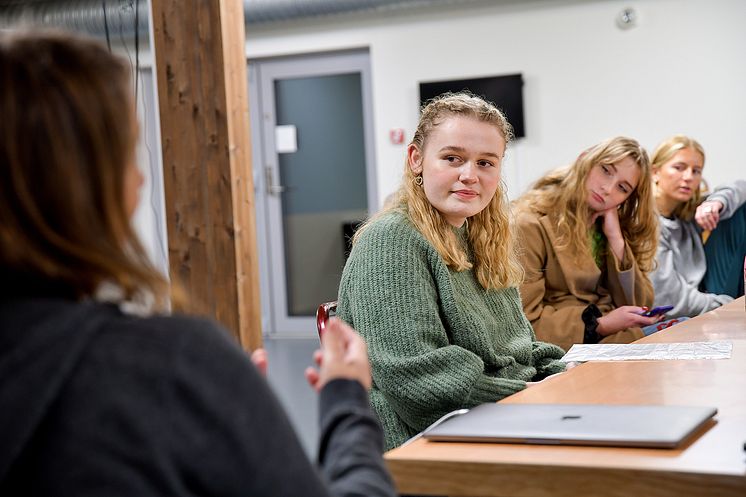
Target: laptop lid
[(574, 424)]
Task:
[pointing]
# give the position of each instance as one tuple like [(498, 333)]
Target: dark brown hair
[(67, 139)]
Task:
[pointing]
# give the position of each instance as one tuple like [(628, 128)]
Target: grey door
[(312, 127)]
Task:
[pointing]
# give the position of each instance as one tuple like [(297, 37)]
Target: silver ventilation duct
[(95, 16)]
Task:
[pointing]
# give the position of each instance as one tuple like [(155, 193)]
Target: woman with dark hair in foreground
[(101, 394)]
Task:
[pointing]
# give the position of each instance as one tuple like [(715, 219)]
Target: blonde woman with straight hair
[(431, 282), (692, 276), (588, 236)]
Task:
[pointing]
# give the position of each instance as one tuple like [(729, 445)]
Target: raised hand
[(343, 355)]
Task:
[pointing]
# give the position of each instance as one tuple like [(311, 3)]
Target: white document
[(286, 139), (720, 349)]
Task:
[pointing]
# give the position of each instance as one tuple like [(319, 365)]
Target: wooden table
[(711, 464)]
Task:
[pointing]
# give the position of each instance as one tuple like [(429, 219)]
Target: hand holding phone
[(657, 311)]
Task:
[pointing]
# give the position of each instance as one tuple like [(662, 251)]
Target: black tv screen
[(504, 91)]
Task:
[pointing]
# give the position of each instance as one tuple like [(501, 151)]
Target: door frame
[(261, 76)]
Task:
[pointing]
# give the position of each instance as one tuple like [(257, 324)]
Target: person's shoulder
[(391, 241), (165, 327), (668, 224), (166, 339), (393, 220), (529, 221), (163, 376), (526, 216), (675, 227), (393, 228)]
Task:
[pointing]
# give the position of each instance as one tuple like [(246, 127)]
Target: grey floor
[(288, 358)]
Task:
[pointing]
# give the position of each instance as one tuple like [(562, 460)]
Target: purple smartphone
[(655, 311)]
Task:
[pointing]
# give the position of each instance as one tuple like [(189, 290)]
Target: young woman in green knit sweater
[(431, 283)]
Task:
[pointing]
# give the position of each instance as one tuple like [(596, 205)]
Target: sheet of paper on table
[(720, 349)]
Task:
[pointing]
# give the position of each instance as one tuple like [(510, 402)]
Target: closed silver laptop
[(574, 424)]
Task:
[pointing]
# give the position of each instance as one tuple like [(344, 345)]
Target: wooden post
[(209, 191)]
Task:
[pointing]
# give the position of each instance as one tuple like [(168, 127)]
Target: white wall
[(681, 70), (150, 217)]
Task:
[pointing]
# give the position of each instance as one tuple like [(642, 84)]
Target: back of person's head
[(68, 139), (562, 193), (666, 151), (490, 232)]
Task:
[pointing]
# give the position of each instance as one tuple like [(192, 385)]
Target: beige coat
[(556, 289)]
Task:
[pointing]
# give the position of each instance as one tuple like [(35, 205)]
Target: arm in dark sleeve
[(244, 443), (351, 442), (172, 406), (261, 448), (228, 434)]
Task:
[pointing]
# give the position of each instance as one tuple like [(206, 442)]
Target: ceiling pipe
[(95, 16)]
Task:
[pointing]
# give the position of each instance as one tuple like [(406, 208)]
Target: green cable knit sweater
[(437, 340)]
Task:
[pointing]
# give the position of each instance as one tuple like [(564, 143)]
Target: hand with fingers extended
[(343, 355), (624, 317), (708, 214)]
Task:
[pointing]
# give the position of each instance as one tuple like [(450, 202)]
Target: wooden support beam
[(201, 68)]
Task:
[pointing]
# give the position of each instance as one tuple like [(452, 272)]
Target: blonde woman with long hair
[(692, 276), (588, 234), (431, 282)]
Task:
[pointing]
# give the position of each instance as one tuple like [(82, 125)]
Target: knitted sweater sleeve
[(390, 296)]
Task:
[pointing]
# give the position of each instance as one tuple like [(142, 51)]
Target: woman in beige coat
[(588, 235)]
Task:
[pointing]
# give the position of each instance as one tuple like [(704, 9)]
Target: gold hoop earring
[(418, 180)]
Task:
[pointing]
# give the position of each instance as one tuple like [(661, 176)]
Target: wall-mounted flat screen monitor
[(504, 91)]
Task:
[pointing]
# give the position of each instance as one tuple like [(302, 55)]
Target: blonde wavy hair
[(664, 153), (490, 232), (562, 194)]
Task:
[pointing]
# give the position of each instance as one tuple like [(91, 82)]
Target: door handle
[(272, 189)]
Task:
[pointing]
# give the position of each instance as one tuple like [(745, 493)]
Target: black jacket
[(95, 402)]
